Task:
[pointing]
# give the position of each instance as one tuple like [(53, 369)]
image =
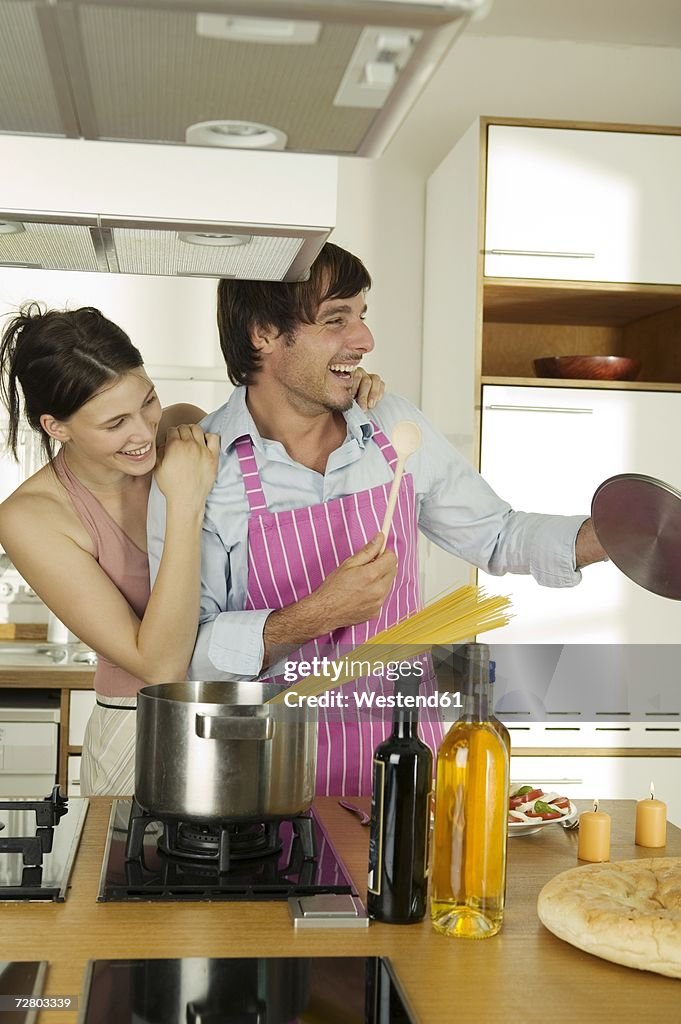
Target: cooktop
[(279, 990), (38, 843), (300, 862), (21, 984)]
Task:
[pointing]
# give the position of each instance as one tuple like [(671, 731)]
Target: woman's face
[(117, 426)]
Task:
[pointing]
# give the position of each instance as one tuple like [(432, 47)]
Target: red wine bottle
[(400, 816)]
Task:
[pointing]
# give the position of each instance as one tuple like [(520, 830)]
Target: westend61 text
[(369, 700)]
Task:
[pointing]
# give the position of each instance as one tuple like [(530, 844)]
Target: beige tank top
[(125, 564)]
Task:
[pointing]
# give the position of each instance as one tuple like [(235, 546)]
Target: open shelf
[(525, 320), (594, 304)]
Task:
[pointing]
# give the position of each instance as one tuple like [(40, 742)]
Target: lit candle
[(594, 835), (651, 821)]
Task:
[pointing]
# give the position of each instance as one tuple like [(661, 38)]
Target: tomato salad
[(527, 805)]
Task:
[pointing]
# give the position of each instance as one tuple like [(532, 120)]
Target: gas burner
[(225, 860), (47, 815), (221, 843), (38, 841), (48, 811), (193, 840)]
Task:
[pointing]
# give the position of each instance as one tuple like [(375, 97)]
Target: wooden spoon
[(406, 440)]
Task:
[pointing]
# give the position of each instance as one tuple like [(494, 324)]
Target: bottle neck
[(405, 713), (475, 696)]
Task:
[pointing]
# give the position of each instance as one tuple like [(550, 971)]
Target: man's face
[(316, 370)]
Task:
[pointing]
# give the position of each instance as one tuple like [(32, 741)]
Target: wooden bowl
[(588, 367)]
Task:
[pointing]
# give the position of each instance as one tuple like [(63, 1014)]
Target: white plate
[(524, 828)]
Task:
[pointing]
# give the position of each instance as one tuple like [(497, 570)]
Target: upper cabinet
[(582, 205), (549, 241)]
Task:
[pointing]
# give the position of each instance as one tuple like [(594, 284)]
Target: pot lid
[(637, 520)]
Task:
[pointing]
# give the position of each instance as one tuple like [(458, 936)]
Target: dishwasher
[(29, 741)]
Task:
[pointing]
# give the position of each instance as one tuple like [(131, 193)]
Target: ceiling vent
[(163, 210), (324, 76)]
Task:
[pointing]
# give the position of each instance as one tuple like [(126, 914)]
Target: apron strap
[(386, 448), (249, 472), (251, 476)]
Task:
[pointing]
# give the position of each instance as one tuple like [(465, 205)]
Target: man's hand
[(588, 548), (369, 388), (352, 593), (356, 590)]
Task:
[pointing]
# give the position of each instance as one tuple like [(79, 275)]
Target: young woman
[(76, 530)]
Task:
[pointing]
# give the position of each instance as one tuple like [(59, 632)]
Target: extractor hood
[(310, 76), (71, 204)]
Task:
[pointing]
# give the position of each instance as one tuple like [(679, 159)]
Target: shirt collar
[(237, 421)]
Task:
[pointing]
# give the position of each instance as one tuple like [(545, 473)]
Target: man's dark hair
[(244, 306)]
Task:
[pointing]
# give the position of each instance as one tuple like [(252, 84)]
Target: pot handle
[(232, 727)]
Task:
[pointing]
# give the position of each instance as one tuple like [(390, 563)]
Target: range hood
[(310, 76), (71, 204)]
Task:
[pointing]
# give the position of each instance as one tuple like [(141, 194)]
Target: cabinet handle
[(531, 252), (550, 782), (538, 408)]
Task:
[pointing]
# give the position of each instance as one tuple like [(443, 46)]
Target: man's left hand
[(588, 548), (369, 388)]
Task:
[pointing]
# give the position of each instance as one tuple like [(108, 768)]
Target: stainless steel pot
[(216, 751)]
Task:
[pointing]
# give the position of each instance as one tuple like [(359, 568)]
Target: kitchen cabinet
[(65, 682), (582, 205), (588, 778), (547, 450), (482, 330), (29, 733)]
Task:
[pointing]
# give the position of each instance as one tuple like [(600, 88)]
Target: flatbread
[(628, 912)]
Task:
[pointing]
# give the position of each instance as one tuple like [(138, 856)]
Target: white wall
[(170, 320)]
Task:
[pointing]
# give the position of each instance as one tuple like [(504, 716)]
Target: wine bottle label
[(376, 837)]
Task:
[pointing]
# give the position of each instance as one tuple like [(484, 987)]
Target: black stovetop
[(38, 843), (157, 875), (278, 990), (21, 985)]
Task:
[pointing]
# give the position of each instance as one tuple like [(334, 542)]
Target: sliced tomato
[(534, 794), (545, 816), (560, 801), (514, 817)]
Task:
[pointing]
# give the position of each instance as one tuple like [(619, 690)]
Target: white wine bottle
[(471, 806)]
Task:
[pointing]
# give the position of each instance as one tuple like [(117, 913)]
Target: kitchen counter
[(524, 974)]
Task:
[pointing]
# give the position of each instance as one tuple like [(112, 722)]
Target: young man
[(291, 533)]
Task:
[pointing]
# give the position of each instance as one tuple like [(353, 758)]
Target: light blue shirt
[(456, 509)]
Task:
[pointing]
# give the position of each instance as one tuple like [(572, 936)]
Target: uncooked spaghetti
[(453, 618)]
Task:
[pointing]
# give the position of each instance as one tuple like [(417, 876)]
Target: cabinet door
[(583, 205), (80, 708), (547, 450)]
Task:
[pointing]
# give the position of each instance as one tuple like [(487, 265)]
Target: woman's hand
[(189, 464), (369, 388)]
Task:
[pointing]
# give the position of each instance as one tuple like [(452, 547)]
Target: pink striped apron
[(290, 553)]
